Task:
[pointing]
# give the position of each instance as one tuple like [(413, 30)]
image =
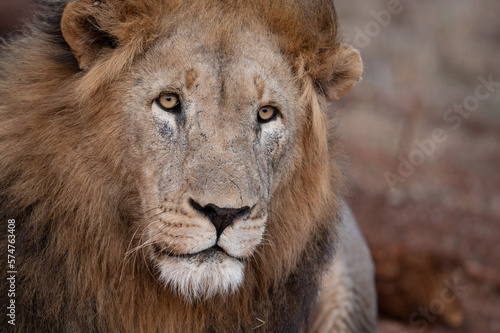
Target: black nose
[(221, 218)]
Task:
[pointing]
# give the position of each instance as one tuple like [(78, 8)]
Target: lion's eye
[(267, 113), (168, 102)]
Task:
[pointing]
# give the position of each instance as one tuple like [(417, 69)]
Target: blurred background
[(422, 133), (12, 13)]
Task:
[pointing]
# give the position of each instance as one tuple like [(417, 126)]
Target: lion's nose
[(221, 218)]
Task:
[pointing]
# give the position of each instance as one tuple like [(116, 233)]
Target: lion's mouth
[(212, 252)]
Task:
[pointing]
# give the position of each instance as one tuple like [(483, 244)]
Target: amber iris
[(168, 102), (267, 113)]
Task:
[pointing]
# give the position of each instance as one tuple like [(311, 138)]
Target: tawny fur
[(70, 177)]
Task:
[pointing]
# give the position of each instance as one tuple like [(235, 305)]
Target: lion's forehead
[(222, 82), (222, 70)]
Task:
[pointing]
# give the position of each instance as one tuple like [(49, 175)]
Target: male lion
[(168, 169)]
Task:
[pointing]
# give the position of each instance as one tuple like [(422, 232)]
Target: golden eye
[(168, 102), (267, 113)]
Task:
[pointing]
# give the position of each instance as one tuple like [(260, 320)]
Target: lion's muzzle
[(202, 250)]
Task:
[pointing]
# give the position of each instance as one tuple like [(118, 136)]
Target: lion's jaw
[(212, 155)]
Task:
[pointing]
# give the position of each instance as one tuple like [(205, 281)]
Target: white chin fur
[(201, 277)]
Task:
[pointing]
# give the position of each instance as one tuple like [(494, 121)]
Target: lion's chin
[(201, 276)]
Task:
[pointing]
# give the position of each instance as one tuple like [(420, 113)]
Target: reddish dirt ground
[(423, 224)]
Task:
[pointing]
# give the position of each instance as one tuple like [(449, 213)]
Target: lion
[(167, 166)]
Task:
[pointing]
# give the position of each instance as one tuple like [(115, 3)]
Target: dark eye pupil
[(266, 114)]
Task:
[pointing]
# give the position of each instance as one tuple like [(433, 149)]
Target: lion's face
[(217, 124), (218, 110)]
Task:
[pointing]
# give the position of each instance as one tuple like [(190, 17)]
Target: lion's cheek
[(276, 155), (180, 235), (241, 239)]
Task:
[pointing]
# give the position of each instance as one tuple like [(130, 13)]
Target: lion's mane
[(67, 180)]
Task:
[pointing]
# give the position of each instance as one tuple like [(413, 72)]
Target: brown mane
[(67, 180)]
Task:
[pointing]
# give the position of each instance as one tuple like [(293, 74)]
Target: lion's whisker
[(152, 240), (150, 210), (124, 261)]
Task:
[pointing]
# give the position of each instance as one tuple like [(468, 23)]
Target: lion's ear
[(337, 72), (81, 30)]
